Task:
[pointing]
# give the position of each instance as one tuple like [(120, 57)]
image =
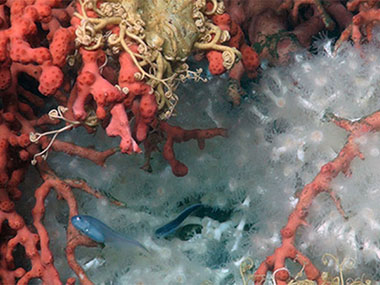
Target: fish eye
[(77, 218)]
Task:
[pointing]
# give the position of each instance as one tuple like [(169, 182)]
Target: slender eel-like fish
[(100, 232), (172, 226)]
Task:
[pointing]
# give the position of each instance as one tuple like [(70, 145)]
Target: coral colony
[(286, 92)]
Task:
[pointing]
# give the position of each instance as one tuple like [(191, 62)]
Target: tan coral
[(166, 33)]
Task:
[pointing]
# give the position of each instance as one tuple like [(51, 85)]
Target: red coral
[(173, 134), (223, 21), (61, 45), (90, 82), (321, 183), (5, 74), (362, 23), (119, 126), (50, 80), (146, 108), (215, 59), (35, 40), (250, 58)]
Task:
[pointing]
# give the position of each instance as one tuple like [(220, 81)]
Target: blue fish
[(100, 232), (173, 225)]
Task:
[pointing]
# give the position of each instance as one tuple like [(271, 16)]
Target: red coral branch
[(321, 183), (119, 126), (177, 135), (96, 157), (362, 23), (36, 37), (74, 238)]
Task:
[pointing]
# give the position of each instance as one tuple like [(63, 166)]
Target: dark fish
[(173, 225)]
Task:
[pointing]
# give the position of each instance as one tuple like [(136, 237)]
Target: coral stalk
[(320, 184)]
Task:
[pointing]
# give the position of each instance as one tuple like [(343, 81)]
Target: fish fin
[(122, 241)]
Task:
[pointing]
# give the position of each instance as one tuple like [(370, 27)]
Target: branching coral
[(362, 23), (117, 64), (324, 9), (275, 29), (321, 183), (105, 63), (171, 135), (156, 37), (16, 152)]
